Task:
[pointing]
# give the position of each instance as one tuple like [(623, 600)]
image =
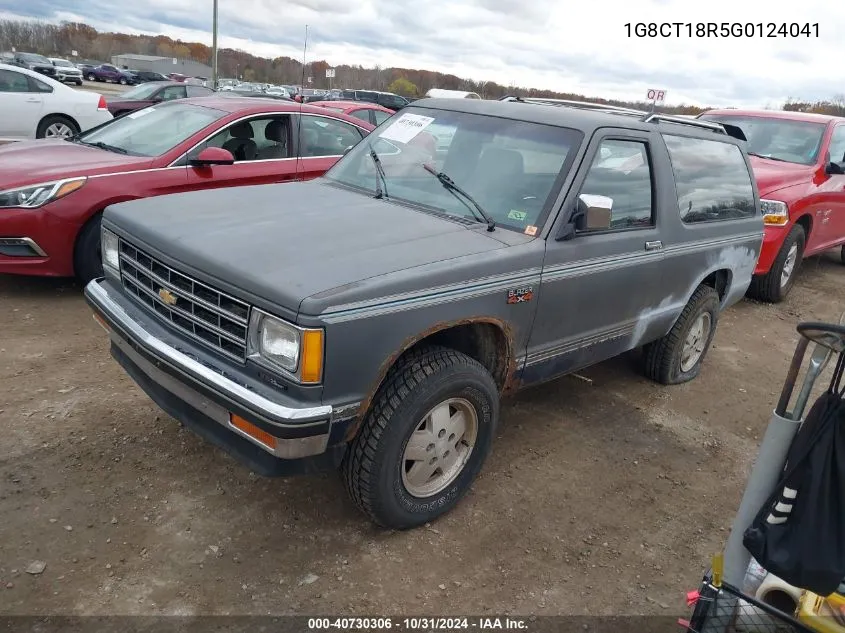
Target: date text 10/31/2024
[(722, 29)]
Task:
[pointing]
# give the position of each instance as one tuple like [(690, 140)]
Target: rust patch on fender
[(508, 383)]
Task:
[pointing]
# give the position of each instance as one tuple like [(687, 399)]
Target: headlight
[(775, 213), (35, 196), (298, 351), (110, 251)]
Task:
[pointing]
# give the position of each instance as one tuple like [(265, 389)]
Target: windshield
[(778, 139), (511, 168), (154, 130), (34, 57), (144, 91)]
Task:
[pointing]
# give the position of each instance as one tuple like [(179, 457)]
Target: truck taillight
[(102, 104)]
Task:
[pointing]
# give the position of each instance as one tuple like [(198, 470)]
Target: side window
[(263, 138), (197, 91), (364, 115), (322, 136), (380, 116), (172, 92), (39, 86), (11, 81), (837, 144), (621, 171), (711, 179)]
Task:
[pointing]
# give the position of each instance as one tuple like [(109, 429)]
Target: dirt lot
[(599, 498)]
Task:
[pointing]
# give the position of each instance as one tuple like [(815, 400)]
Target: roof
[(249, 105), (445, 94), (810, 117), (349, 105), (143, 58), (581, 118)]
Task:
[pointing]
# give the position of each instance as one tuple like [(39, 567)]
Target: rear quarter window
[(711, 179)]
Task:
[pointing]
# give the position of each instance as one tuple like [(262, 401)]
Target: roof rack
[(645, 117), (585, 105)]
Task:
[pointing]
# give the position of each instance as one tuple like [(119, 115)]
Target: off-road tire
[(87, 258), (662, 358), (372, 467), (767, 287)]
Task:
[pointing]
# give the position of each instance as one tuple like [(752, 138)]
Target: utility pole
[(214, 77)]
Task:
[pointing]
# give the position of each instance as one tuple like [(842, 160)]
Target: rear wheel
[(87, 257), (776, 284), (56, 126), (677, 357), (424, 439)]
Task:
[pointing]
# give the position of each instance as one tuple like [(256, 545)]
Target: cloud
[(532, 43)]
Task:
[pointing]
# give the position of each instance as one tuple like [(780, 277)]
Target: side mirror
[(346, 151), (592, 213), (834, 169), (213, 156)]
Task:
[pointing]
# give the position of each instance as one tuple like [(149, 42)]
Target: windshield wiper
[(380, 176), (780, 160), (449, 184), (106, 146)]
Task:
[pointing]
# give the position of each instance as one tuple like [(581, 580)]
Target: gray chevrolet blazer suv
[(370, 320)]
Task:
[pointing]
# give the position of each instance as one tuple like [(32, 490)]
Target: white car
[(66, 72), (35, 106)]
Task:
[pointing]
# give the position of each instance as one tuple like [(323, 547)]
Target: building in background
[(163, 65)]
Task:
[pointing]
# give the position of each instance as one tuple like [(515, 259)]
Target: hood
[(32, 162), (772, 175), (275, 245)]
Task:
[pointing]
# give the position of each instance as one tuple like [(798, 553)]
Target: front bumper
[(53, 239), (205, 398), (773, 237)]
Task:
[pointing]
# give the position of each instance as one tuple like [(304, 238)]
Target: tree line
[(59, 40)]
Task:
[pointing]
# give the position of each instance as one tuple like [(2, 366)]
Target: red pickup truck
[(799, 163)]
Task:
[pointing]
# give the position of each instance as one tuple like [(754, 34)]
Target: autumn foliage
[(90, 44)]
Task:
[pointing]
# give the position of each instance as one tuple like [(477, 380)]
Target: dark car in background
[(153, 92), (107, 72), (36, 62), (385, 99), (141, 76), (250, 93)]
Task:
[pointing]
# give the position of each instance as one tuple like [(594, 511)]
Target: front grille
[(202, 312)]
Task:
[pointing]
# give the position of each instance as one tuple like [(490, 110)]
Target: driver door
[(266, 157), (599, 287)]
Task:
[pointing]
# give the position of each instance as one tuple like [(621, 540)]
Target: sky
[(582, 48)]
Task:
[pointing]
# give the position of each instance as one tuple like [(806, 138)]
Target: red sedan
[(369, 112), (52, 192)]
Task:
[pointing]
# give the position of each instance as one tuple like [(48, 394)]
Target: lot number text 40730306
[(722, 29)]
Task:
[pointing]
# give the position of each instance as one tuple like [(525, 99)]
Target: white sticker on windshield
[(406, 127), (137, 113)]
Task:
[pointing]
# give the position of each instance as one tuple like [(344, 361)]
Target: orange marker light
[(312, 356), (253, 431)]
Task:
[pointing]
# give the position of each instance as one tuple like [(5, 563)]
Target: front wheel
[(424, 439), (676, 358), (87, 257), (123, 81), (78, 82), (776, 284), (92, 77), (842, 254)]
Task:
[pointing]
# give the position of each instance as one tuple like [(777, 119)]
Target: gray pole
[(214, 49)]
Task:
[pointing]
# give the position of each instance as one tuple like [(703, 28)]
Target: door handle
[(33, 100), (654, 246)]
